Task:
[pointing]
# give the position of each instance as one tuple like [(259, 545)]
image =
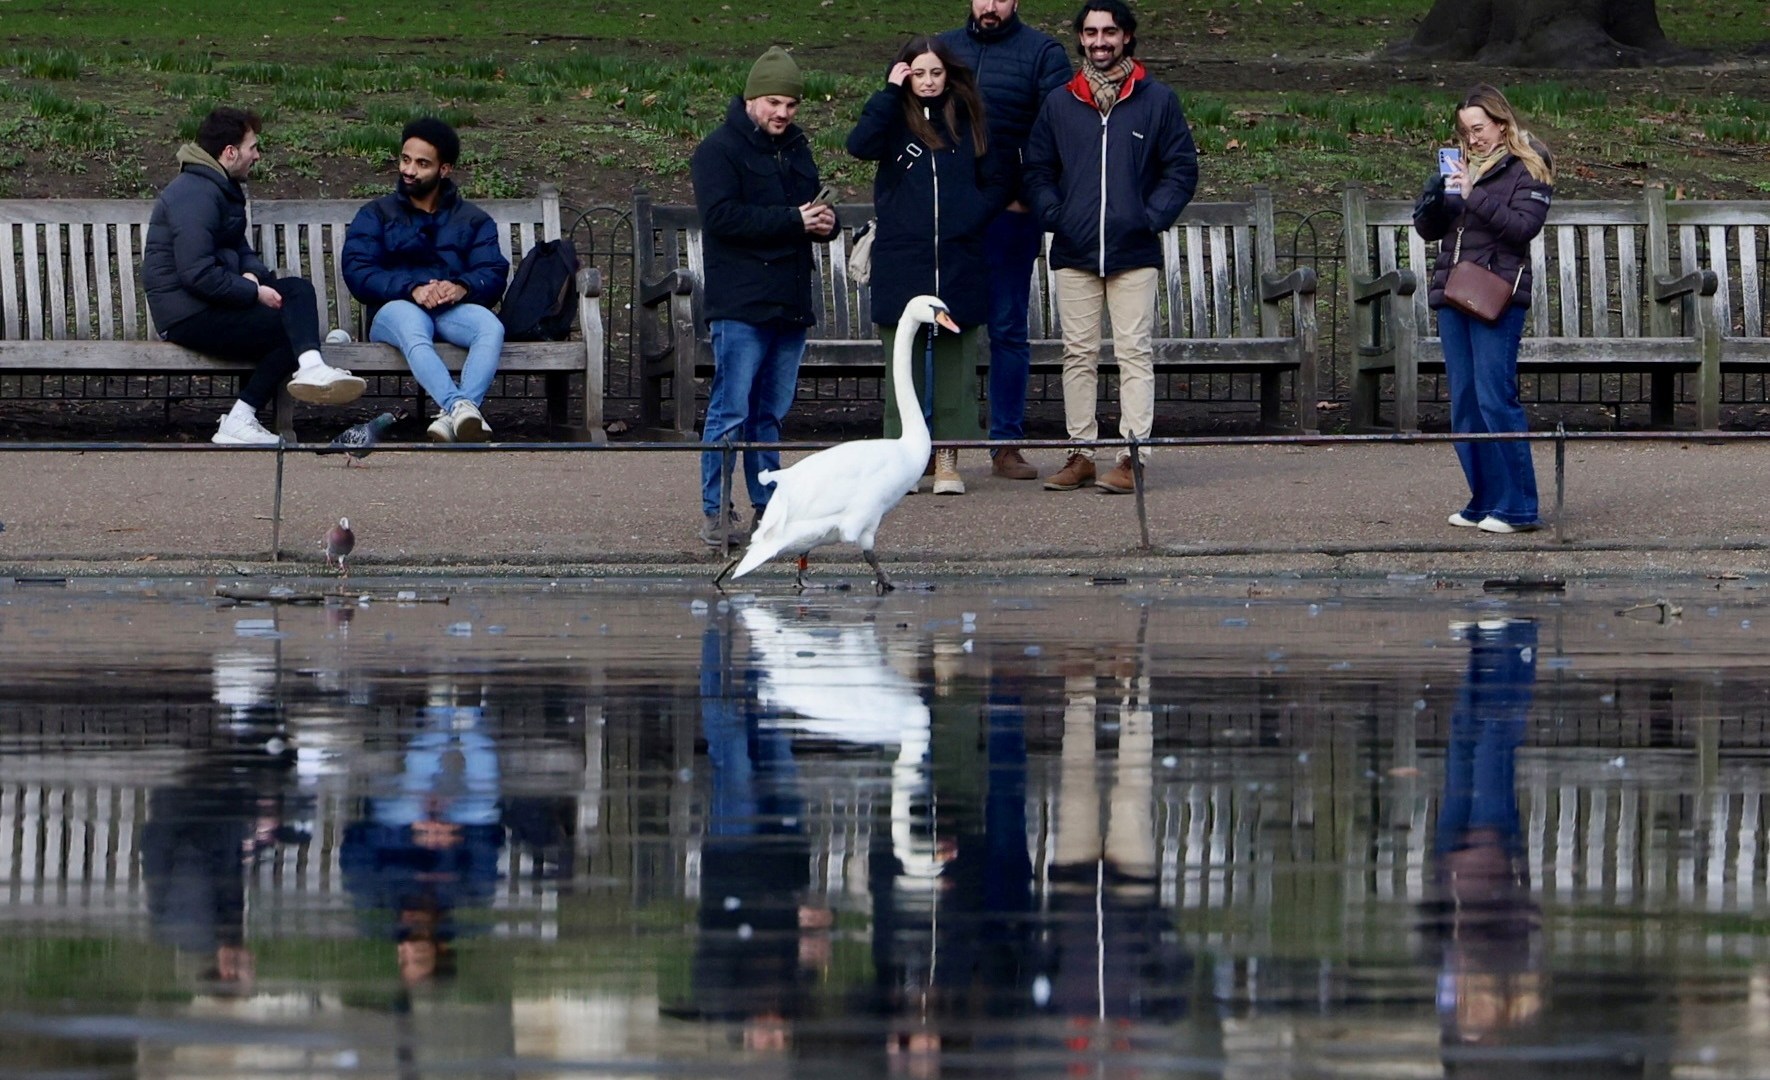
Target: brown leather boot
[(1009, 465), (1077, 472), (1117, 480)]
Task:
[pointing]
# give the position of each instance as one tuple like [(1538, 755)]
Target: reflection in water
[(591, 832)]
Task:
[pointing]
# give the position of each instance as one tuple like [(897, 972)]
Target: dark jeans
[(272, 339), (1481, 365), (1012, 246)]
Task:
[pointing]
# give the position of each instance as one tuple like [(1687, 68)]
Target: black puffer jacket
[(748, 187), (1017, 67), (1108, 189), (196, 249), (1499, 219), (933, 207)]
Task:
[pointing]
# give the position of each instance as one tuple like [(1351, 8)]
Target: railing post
[(1137, 485), (1560, 481), (276, 509), (729, 457)]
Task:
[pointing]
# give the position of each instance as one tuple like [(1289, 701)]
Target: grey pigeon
[(338, 543), (358, 440)]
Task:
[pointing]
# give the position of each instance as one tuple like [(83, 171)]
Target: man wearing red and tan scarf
[(1110, 164)]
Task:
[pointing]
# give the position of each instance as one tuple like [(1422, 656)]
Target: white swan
[(842, 493)]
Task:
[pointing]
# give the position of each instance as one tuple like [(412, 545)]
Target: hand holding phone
[(826, 196)]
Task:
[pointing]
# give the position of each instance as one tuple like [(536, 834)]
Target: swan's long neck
[(903, 381)]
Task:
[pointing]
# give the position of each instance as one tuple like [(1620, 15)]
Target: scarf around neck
[(1479, 164), (1105, 85)]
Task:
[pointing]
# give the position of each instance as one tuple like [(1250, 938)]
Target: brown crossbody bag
[(1476, 289)]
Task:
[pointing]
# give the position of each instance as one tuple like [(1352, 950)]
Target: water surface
[(1125, 830)]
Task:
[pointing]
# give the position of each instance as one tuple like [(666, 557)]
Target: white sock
[(242, 412), (310, 359)]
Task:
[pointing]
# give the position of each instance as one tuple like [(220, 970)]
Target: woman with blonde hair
[(936, 190), (1487, 209)]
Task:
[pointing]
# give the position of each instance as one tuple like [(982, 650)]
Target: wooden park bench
[(1731, 238), (1605, 300), (1224, 307), (72, 302)]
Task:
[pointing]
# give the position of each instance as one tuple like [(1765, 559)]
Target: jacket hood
[(192, 154), (1080, 87)]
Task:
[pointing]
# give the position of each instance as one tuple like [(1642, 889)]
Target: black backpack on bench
[(541, 302)]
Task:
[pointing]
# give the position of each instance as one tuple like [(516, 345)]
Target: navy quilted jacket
[(393, 247), (1017, 67)]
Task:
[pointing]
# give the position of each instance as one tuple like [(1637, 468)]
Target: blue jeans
[(1011, 244), (1481, 364), (414, 331), (755, 372)]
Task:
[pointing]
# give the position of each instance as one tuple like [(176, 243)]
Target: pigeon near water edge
[(340, 541)]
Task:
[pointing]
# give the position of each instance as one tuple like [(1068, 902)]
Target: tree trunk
[(1545, 33)]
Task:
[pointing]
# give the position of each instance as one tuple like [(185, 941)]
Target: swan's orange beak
[(946, 321)]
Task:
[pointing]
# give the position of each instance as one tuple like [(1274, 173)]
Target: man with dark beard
[(428, 265), (1110, 164)]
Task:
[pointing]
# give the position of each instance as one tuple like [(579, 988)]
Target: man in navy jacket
[(208, 290), (754, 186), (1110, 163), (428, 264), (1017, 69)]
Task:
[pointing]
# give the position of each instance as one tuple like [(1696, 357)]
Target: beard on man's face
[(419, 189)]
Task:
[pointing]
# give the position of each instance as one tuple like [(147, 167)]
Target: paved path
[(1365, 509)]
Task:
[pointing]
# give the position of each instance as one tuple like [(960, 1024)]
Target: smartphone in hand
[(1449, 157), (826, 196)]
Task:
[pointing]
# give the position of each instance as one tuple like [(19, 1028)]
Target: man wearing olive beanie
[(754, 182)]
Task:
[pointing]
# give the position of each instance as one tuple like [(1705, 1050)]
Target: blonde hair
[(1518, 141)]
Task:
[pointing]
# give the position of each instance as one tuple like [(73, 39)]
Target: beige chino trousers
[(1128, 298)]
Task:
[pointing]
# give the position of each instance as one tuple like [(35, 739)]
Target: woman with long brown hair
[(935, 192), (1494, 200)]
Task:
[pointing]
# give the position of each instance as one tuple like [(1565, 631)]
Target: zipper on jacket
[(934, 166), (1102, 225)]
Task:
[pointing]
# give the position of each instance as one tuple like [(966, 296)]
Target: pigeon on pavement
[(338, 543)]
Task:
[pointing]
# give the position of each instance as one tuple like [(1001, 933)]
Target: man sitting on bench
[(208, 290)]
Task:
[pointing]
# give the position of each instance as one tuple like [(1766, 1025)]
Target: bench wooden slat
[(10, 316), (1567, 263), (1628, 272), (106, 285), (1750, 285), (34, 315), (1598, 282), (82, 326)]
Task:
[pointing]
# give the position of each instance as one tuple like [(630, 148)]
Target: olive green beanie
[(774, 74)]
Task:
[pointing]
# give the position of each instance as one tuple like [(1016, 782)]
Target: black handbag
[(1476, 289)]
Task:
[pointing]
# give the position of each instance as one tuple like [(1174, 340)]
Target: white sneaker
[(1495, 525), (1462, 520), (248, 432), (323, 384), (470, 425), (442, 429), (338, 336)]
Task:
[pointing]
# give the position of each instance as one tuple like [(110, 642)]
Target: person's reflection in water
[(431, 848), (758, 940), (1482, 920), (1112, 953), (204, 833)]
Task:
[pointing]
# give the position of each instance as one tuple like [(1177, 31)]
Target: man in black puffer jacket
[(1110, 163), (208, 290), (1017, 68), (754, 182)]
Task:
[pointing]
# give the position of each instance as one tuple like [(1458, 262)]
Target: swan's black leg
[(882, 583), (728, 569)]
